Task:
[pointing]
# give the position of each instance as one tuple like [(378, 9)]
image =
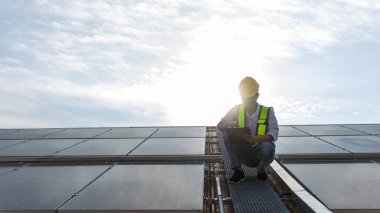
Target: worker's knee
[(266, 150)]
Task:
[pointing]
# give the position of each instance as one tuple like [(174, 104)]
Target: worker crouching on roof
[(255, 150)]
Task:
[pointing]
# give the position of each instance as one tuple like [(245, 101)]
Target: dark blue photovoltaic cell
[(144, 188), (6, 131), (7, 168), (79, 133), (103, 147), (368, 128), (304, 145), (38, 147), (128, 132), (327, 130), (7, 143), (180, 132), (29, 133), (44, 187), (290, 131), (171, 146), (341, 186), (356, 144)]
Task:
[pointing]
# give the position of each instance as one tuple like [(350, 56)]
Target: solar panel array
[(106, 186), (339, 164)]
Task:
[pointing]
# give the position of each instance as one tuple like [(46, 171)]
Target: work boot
[(237, 177), (262, 176)]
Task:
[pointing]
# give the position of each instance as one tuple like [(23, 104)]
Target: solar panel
[(44, 188), (5, 169), (368, 128), (356, 144), (327, 130), (290, 131), (103, 147), (38, 147), (342, 186), (6, 131), (128, 132), (143, 188), (79, 133), (29, 133), (180, 132), (7, 143), (302, 145), (171, 146)]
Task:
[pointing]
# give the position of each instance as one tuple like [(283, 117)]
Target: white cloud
[(183, 58)]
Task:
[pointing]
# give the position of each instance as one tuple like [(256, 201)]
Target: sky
[(171, 62)]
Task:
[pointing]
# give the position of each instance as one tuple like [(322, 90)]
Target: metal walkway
[(251, 196)]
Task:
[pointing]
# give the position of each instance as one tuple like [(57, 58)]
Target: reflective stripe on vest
[(241, 117), (262, 121)]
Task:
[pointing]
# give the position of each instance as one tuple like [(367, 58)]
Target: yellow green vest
[(262, 121)]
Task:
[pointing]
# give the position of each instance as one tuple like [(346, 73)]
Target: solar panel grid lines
[(43, 187), (305, 145), (183, 132), (101, 146), (38, 147), (128, 132), (81, 133), (333, 144), (356, 144), (141, 143), (84, 187), (327, 130), (8, 143), (59, 151), (372, 129), (143, 188), (7, 131), (6, 169), (341, 185), (171, 146), (30, 134), (291, 131)]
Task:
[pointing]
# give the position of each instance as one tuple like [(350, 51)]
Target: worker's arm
[(222, 125), (254, 139)]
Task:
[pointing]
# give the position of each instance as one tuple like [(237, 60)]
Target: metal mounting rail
[(327, 156), (114, 158), (307, 201), (219, 191)]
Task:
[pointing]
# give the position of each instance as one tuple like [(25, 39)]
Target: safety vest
[(262, 121)]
